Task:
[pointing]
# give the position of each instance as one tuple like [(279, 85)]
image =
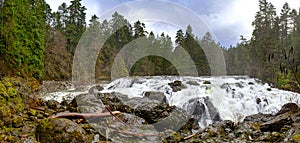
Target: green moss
[(33, 112), (3, 90), (12, 91), (296, 137)]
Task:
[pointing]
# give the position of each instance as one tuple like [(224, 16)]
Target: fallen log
[(74, 115)]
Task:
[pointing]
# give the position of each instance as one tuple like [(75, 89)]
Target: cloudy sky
[(225, 19)]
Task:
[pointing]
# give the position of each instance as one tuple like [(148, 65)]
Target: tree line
[(37, 42), (41, 43), (273, 52)]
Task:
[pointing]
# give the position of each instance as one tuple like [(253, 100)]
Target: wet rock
[(206, 82), (250, 83), (95, 89), (136, 130), (132, 119), (258, 100), (193, 83), (60, 130), (202, 110), (53, 104), (150, 110), (260, 117), (55, 86), (160, 114), (277, 123), (176, 85), (288, 107), (239, 85), (86, 103), (225, 86), (159, 96)]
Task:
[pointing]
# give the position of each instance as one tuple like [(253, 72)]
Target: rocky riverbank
[(25, 118)]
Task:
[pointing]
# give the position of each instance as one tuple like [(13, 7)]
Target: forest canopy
[(38, 42)]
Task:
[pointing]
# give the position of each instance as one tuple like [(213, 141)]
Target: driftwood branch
[(111, 112), (136, 134), (190, 136), (84, 115)]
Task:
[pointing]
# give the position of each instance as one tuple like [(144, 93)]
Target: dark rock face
[(255, 128), (289, 107), (157, 113), (60, 130), (258, 100), (277, 123), (202, 108), (151, 110), (159, 96), (259, 117), (281, 119), (176, 85), (206, 82)]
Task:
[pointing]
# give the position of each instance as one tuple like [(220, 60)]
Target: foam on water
[(234, 97)]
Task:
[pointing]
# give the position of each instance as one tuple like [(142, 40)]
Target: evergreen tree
[(179, 37), (75, 25), (24, 29), (263, 42), (139, 29), (62, 16)]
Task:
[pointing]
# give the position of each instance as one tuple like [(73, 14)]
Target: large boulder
[(202, 109), (86, 103), (60, 130), (159, 96), (160, 114), (277, 123), (288, 107), (176, 85), (95, 89)]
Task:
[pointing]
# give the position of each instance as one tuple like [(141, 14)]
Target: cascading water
[(206, 99), (210, 99)]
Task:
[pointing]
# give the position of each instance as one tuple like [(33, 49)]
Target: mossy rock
[(60, 131), (275, 137), (296, 137)]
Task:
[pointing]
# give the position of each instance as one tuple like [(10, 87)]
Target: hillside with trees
[(38, 42), (273, 52)]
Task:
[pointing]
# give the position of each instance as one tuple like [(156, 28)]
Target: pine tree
[(75, 25), (139, 29), (179, 37), (263, 43)]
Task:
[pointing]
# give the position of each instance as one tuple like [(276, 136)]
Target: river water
[(205, 98)]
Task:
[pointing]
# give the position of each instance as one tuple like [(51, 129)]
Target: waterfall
[(229, 97), (206, 99)]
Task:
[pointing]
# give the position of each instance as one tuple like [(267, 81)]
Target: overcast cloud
[(225, 19)]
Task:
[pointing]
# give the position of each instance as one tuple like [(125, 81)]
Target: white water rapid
[(225, 98), (229, 97)]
